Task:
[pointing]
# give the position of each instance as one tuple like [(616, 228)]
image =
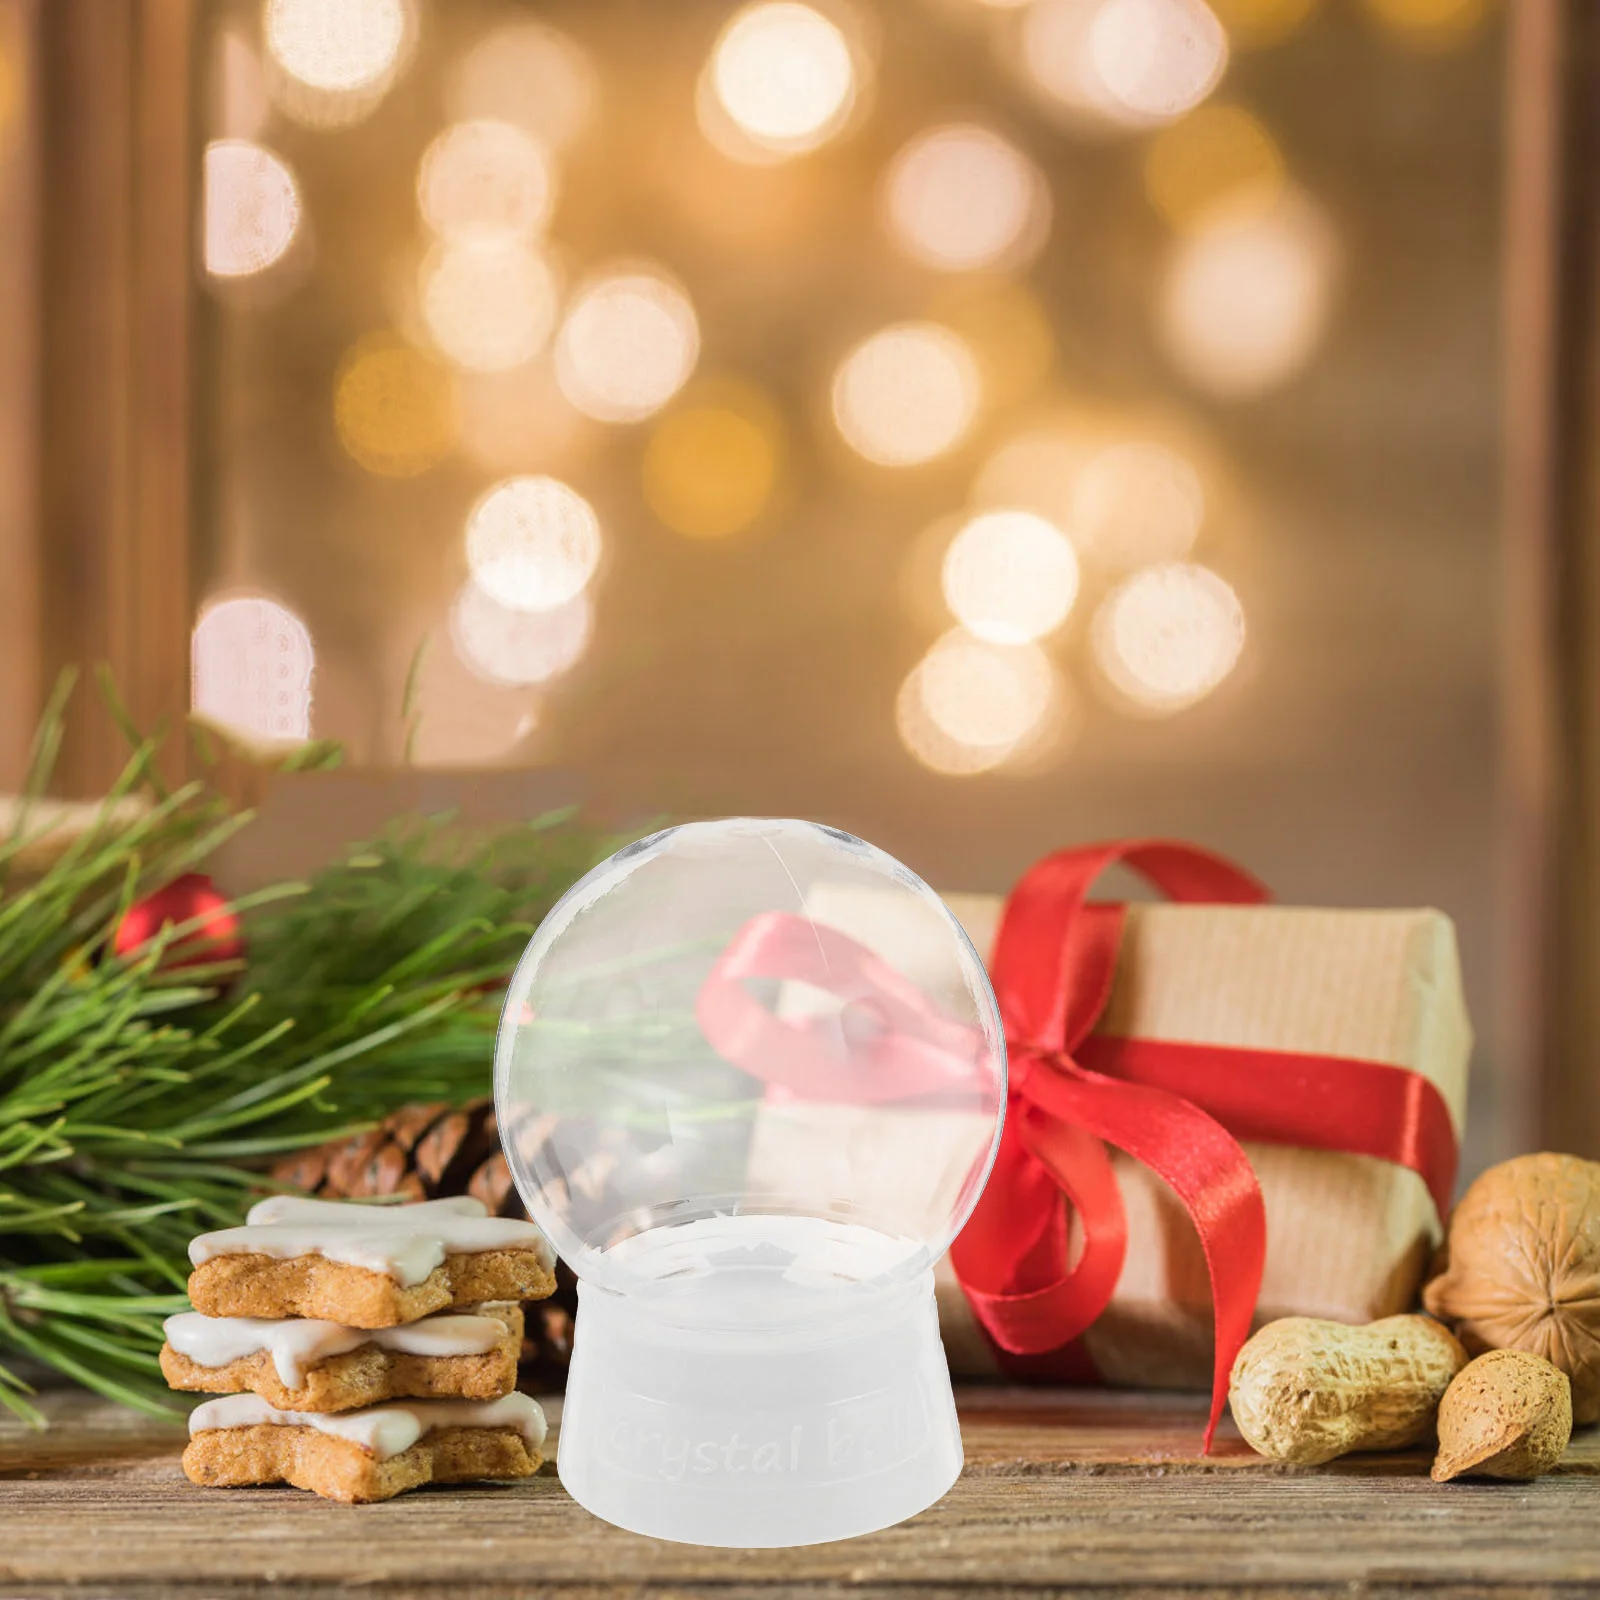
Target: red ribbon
[(1180, 1109)]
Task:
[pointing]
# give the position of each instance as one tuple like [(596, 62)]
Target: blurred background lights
[(1429, 24), (906, 394), (1036, 469), (1159, 58), (711, 464), (531, 76), (1259, 24), (517, 419), (488, 305), (1136, 502), (1168, 636), (1010, 577), (784, 75), (485, 180), (508, 646), (969, 704), (337, 45), (251, 663), (1219, 152), (1246, 297), (394, 409), (532, 543), (251, 208), (627, 345), (931, 745), (962, 197), (1056, 54), (465, 720)]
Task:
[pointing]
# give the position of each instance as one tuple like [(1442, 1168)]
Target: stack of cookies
[(361, 1350)]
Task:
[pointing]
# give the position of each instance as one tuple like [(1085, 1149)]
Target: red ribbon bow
[(1180, 1109)]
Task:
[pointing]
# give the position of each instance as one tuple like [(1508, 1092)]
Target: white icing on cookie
[(296, 1343), (384, 1430), (403, 1242)]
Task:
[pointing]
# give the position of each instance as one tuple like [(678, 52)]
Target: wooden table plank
[(1080, 1492)]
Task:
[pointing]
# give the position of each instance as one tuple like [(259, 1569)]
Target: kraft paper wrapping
[(1348, 1237)]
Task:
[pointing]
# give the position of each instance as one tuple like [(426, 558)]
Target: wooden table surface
[(1081, 1492)]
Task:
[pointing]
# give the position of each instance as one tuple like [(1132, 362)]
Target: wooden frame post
[(1550, 954), (20, 630), (118, 172)]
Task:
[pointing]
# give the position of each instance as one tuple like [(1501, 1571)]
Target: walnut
[(1522, 1268)]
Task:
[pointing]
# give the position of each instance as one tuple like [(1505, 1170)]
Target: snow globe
[(750, 1079)]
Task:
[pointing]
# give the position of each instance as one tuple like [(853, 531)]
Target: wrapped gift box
[(1349, 1236)]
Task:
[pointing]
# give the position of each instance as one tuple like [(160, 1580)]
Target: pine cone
[(426, 1152)]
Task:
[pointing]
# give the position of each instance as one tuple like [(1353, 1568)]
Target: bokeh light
[(1429, 24), (1159, 58), (532, 543), (1128, 488), (1037, 470), (531, 76), (906, 394), (1258, 24), (251, 207), (488, 305), (251, 663), (1168, 636), (1057, 60), (1220, 152), (627, 345), (1010, 577), (1136, 502), (463, 720), (968, 704), (961, 197), (336, 44), (504, 645), (712, 463), (517, 420), (485, 180), (1246, 297), (394, 408), (1121, 63), (784, 75), (334, 60)]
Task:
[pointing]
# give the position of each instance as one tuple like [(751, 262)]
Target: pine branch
[(139, 1102)]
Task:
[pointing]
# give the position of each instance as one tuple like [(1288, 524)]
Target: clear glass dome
[(750, 1044)]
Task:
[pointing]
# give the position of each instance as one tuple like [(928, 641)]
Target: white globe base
[(721, 1434)]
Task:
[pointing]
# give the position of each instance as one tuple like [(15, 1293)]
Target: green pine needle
[(140, 1102)]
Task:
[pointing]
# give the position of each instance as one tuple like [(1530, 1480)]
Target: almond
[(1506, 1415)]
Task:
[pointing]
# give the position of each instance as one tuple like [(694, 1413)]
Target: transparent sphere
[(755, 1048)]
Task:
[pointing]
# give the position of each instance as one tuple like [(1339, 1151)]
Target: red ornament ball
[(219, 935)]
